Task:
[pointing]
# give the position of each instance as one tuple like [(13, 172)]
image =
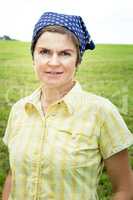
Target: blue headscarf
[(73, 23)]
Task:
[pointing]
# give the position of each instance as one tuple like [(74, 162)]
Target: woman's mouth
[(54, 73)]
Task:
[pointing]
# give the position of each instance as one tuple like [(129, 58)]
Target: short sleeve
[(114, 133), (9, 129)]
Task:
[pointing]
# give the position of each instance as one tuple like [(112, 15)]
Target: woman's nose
[(54, 60)]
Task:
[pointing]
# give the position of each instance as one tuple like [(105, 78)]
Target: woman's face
[(55, 59)]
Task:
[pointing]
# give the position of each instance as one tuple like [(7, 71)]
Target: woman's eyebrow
[(67, 50), (41, 47), (62, 50)]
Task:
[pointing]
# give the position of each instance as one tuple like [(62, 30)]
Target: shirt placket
[(39, 158)]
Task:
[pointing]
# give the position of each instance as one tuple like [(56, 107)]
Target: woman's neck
[(51, 95)]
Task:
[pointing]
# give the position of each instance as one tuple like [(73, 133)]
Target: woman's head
[(65, 24), (58, 44)]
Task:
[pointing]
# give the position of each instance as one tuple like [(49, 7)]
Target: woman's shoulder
[(18, 108), (35, 94), (20, 103), (97, 100), (102, 106)]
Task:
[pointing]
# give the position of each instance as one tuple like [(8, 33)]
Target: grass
[(107, 71)]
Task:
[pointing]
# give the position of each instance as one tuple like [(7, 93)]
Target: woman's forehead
[(52, 39)]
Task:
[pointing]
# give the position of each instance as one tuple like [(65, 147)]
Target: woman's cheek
[(38, 69)]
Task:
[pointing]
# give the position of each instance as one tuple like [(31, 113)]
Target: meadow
[(107, 71)]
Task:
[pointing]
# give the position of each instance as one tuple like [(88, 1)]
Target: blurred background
[(108, 21)]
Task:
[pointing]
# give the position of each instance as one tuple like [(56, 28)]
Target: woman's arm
[(7, 187), (120, 175)]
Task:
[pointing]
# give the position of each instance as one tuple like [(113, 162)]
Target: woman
[(60, 136)]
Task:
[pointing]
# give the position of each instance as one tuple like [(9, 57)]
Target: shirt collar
[(33, 101), (70, 99)]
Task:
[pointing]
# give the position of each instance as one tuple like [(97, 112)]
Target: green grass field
[(108, 71)]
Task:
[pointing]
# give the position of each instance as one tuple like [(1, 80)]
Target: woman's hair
[(58, 29)]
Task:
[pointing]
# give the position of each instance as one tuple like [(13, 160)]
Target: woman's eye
[(65, 53), (44, 51)]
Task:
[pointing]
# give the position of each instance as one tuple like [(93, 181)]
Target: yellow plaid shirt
[(59, 155)]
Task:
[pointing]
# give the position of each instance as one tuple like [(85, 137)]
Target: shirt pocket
[(85, 149), (18, 134), (80, 148)]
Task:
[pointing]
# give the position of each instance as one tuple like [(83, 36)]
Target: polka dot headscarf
[(73, 23)]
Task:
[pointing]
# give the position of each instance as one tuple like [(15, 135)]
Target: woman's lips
[(54, 73)]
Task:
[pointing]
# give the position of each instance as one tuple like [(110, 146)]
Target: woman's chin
[(52, 83)]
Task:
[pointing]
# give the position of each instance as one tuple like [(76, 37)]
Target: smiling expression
[(55, 59)]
